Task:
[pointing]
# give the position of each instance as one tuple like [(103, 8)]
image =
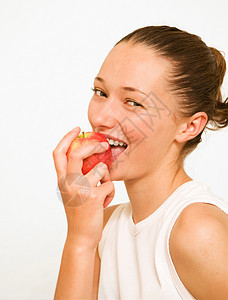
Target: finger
[(75, 158), (106, 192), (99, 173), (107, 201), (59, 154)]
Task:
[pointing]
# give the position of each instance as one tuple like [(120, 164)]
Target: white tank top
[(135, 258)]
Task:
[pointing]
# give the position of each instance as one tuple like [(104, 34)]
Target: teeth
[(116, 143)]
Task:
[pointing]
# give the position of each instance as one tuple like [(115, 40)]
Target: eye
[(135, 103), (97, 91), (100, 93)]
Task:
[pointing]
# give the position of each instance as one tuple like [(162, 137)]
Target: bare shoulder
[(108, 212), (198, 248)]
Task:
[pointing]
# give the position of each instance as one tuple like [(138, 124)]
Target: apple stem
[(83, 135)]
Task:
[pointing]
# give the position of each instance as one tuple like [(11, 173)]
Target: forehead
[(134, 65)]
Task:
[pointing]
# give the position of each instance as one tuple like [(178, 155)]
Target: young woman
[(157, 90)]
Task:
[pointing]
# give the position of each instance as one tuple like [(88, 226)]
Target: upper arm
[(107, 214), (199, 251)]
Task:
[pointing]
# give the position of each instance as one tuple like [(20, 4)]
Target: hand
[(83, 200)]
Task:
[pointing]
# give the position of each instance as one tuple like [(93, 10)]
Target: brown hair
[(196, 76)]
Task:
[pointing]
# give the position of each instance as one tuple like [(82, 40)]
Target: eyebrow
[(126, 88)]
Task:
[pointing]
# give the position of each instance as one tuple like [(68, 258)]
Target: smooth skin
[(199, 250), (85, 219), (154, 129), (199, 239)]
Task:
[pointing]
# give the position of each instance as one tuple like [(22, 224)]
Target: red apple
[(91, 161)]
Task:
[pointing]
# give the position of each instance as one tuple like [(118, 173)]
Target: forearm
[(75, 279)]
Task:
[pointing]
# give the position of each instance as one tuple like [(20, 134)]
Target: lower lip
[(115, 156)]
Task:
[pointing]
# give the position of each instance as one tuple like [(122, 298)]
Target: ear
[(191, 128)]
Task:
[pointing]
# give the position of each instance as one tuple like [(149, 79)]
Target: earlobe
[(192, 128)]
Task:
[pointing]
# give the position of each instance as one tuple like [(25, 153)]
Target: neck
[(149, 192)]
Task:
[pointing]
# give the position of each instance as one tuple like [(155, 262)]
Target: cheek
[(163, 135), (156, 139)]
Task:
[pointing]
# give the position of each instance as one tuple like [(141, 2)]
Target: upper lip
[(112, 137)]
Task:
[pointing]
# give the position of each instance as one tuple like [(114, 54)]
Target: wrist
[(79, 246)]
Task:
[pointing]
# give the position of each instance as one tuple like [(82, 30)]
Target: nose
[(104, 115)]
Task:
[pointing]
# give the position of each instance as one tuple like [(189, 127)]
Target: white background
[(50, 52)]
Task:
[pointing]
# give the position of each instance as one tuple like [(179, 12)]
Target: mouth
[(117, 146), (114, 141)]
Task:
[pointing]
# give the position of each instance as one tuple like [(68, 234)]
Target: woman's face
[(132, 103)]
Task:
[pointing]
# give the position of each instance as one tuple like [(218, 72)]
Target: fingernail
[(105, 145), (75, 129)]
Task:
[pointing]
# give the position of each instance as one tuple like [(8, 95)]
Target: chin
[(117, 172)]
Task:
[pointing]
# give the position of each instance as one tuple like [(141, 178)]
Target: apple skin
[(91, 161)]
